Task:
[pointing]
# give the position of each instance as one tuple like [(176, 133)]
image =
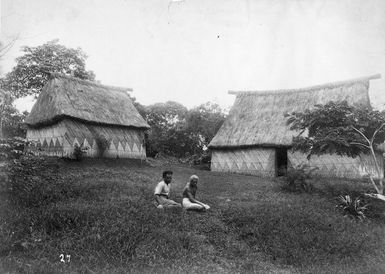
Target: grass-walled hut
[(255, 138), (99, 118)]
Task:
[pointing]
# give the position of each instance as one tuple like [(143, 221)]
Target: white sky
[(194, 51)]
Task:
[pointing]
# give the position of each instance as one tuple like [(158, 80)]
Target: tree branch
[(355, 143), (375, 133), (362, 135)]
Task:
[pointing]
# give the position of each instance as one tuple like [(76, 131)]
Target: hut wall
[(48, 140), (261, 162), (60, 139), (255, 161), (338, 166)]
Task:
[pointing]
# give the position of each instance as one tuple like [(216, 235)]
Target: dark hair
[(166, 172)]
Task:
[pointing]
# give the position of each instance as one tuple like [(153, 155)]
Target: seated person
[(162, 192), (189, 202)]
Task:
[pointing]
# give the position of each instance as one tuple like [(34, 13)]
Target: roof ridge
[(54, 75), (310, 88)]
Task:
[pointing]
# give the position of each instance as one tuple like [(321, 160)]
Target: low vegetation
[(298, 178), (352, 207), (97, 216)]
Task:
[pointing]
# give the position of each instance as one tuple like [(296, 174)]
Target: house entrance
[(281, 161)]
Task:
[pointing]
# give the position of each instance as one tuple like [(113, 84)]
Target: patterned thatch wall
[(262, 162), (256, 161), (59, 140), (337, 166)]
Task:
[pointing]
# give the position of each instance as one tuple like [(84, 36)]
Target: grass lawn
[(100, 213)]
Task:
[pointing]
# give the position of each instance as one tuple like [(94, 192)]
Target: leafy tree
[(12, 131), (10, 118), (205, 121), (342, 129), (32, 70), (168, 132), (166, 115), (180, 132)]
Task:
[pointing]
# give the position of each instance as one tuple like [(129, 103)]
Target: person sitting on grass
[(189, 202), (162, 192)]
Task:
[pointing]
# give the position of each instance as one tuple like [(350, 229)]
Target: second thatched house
[(100, 119), (255, 139)]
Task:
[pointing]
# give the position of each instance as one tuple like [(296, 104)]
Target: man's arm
[(157, 198), (158, 191)]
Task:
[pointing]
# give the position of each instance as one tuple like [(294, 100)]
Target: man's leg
[(167, 203)]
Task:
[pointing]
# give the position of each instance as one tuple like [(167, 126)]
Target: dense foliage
[(205, 121), (32, 69), (339, 128), (12, 130), (12, 123), (10, 118), (12, 148), (167, 121), (180, 132)]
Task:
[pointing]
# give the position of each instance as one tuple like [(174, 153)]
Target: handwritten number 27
[(65, 258)]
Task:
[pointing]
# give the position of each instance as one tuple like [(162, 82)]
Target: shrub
[(12, 148), (354, 208), (202, 158), (102, 143), (79, 152), (297, 178)]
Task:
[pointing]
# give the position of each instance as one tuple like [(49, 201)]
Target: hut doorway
[(281, 161)]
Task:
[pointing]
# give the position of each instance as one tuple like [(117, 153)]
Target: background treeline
[(180, 132), (175, 130)]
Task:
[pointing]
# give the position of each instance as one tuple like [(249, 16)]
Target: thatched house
[(102, 119), (255, 139)]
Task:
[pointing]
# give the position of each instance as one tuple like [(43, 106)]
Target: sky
[(195, 51)]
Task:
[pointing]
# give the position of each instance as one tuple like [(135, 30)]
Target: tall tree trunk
[(1, 128), (380, 186)]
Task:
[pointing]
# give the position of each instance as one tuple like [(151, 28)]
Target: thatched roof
[(65, 96), (257, 117)]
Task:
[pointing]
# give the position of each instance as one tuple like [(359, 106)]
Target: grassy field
[(98, 217)]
